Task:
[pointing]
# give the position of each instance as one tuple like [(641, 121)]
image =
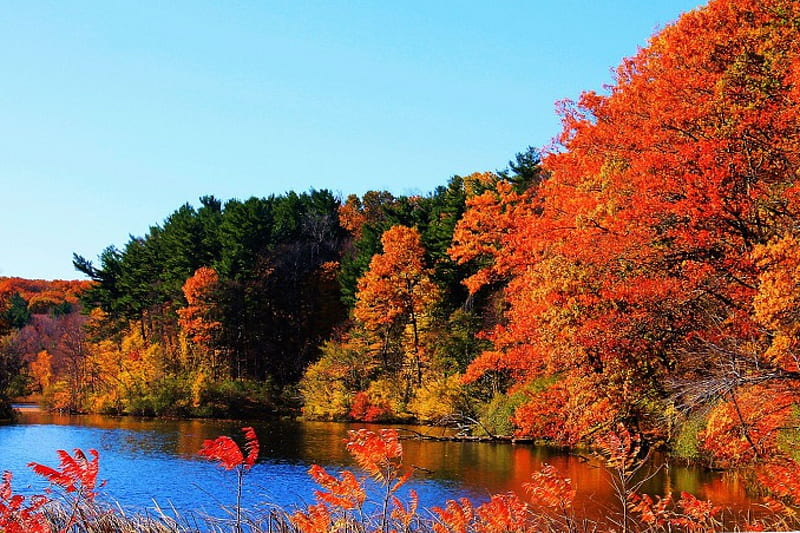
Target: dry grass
[(96, 518)]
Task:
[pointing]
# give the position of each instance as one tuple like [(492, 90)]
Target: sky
[(115, 113)]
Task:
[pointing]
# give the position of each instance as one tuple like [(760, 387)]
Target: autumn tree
[(198, 319), (633, 276), (41, 370), (479, 235), (396, 294)]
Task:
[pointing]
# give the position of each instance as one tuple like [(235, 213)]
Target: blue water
[(149, 463), (152, 462)]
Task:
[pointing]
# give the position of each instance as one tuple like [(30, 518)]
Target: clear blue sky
[(115, 113)]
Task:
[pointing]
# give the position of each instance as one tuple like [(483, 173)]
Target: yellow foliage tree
[(41, 370)]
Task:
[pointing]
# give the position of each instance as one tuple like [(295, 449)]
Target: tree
[(10, 365), (41, 370), (632, 276), (366, 219), (397, 292), (17, 314), (479, 235), (525, 171), (200, 318)]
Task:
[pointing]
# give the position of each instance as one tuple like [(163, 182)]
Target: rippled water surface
[(149, 461)]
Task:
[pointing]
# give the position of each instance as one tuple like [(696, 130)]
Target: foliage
[(17, 314), (196, 319), (15, 515), (394, 298), (364, 410), (10, 365), (76, 473), (329, 385), (439, 397), (496, 414), (20, 298), (397, 355), (686, 444), (652, 269), (32, 316), (225, 450), (255, 269)]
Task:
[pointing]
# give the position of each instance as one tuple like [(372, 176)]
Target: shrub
[(437, 398), (495, 416)]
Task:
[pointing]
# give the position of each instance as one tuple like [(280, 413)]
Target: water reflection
[(147, 459)]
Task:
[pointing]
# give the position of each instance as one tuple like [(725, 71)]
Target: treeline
[(259, 305), (215, 310), (222, 309), (273, 294)]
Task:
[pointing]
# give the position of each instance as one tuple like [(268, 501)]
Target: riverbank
[(7, 414)]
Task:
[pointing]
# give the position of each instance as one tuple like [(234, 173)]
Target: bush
[(170, 396), (325, 395), (686, 444), (496, 414), (437, 398)]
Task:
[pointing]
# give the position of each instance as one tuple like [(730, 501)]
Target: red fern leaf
[(53, 476), (5, 487), (402, 480), (503, 512), (548, 489), (380, 454), (75, 473), (83, 469), (345, 493), (456, 517), (229, 454), (405, 514), (316, 519), (15, 516), (224, 450), (251, 446)]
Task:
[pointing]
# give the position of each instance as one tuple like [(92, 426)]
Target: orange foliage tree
[(480, 234), (41, 370), (395, 297), (198, 319), (642, 275), (43, 294)]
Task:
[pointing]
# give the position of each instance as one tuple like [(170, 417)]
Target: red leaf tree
[(652, 270)]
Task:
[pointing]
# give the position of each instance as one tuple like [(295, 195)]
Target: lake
[(147, 461)]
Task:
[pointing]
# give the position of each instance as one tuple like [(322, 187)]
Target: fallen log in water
[(458, 437)]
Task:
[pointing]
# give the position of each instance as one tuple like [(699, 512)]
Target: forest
[(640, 272)]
